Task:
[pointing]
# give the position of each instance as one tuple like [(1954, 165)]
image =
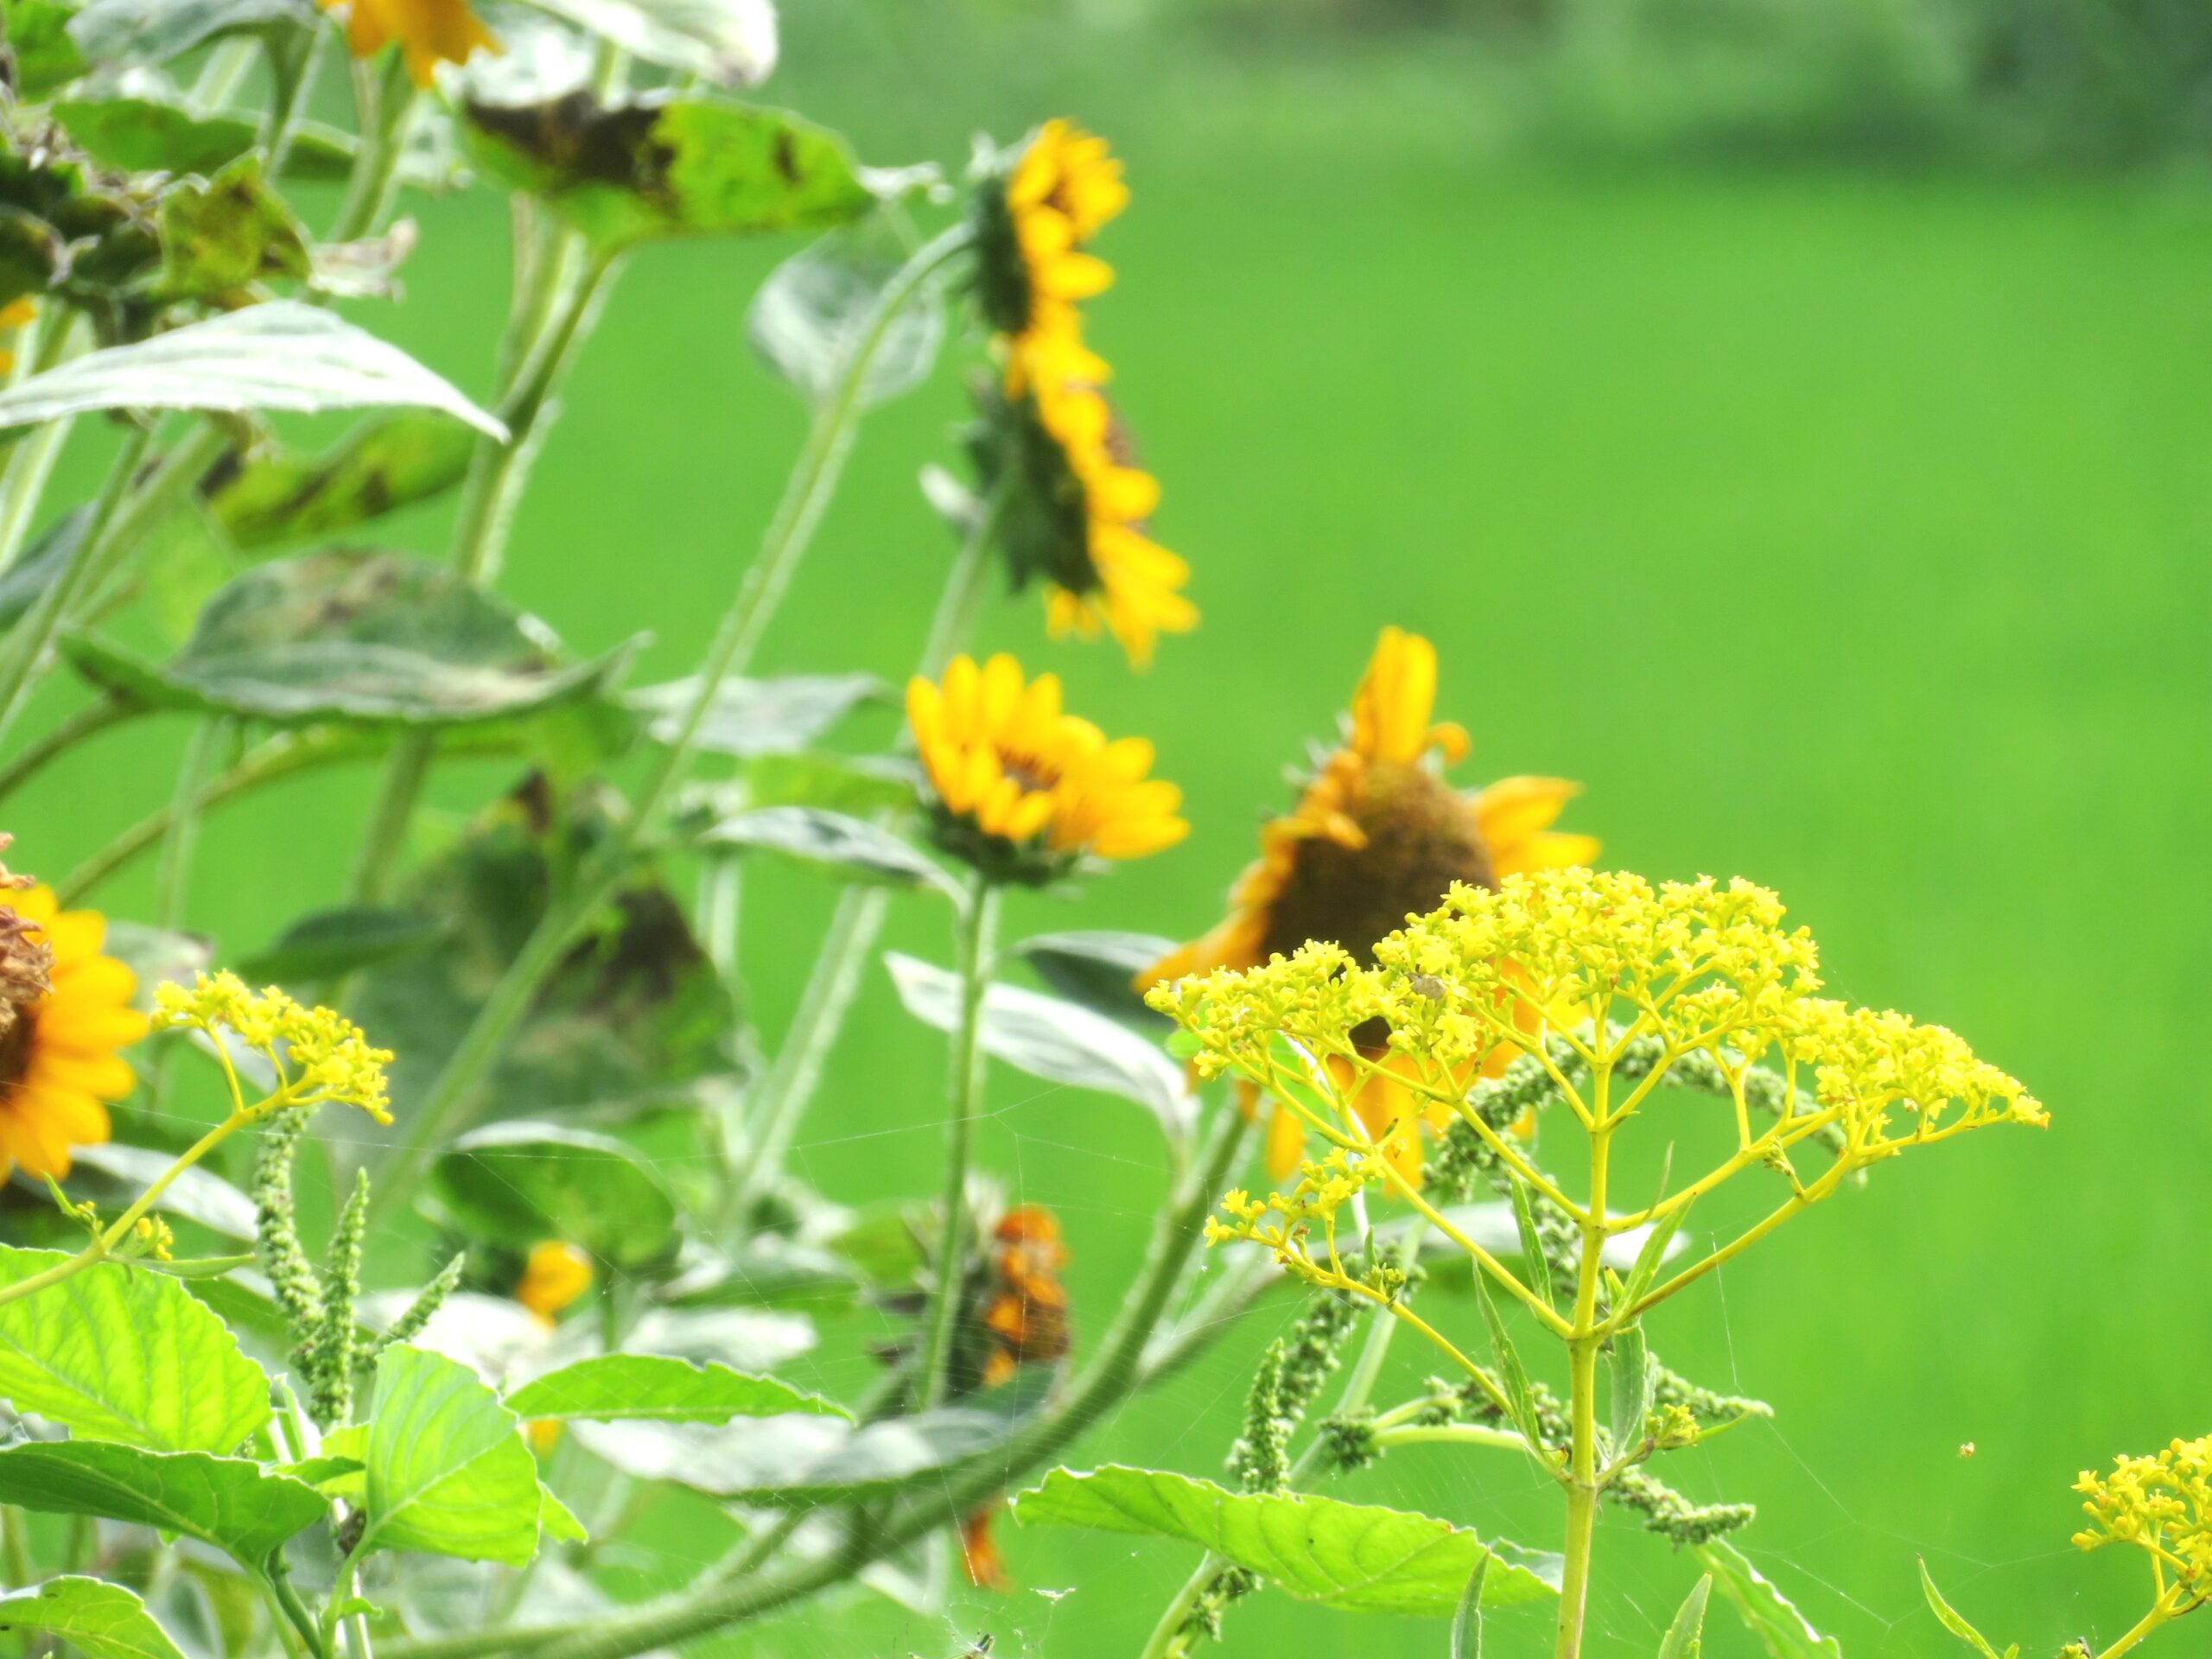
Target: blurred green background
[(1791, 421)]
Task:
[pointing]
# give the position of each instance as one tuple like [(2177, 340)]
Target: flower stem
[(206, 741), (964, 1091), (1582, 1345), (32, 462), (383, 100), (2161, 1611)]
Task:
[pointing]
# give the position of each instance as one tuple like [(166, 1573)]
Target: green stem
[(963, 1094), (32, 463), (789, 533), (15, 1548), (1582, 1346), (382, 101), (1449, 1434), (175, 472), (294, 69), (279, 1584), (2161, 1612), (88, 722)]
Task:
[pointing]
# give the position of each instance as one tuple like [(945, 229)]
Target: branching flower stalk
[(1603, 963)]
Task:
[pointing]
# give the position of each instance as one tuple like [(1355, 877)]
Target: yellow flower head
[(1376, 835), (555, 1274), (2161, 1504), (61, 1060), (1034, 219), (429, 32), (319, 1055), (1023, 789)]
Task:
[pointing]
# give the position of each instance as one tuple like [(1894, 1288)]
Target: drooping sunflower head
[(1036, 208), (1072, 510), (1022, 790), (428, 32), (61, 1060)]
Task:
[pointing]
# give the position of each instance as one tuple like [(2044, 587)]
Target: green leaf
[(1057, 1042), (143, 134), (652, 1387), (198, 1195), (852, 784), (518, 1182), (222, 235), (101, 1620), (115, 1353), (557, 1521), (1513, 1376), (131, 33), (331, 943), (754, 717), (766, 1270), (1950, 1618), (1535, 1266), (281, 355), (1467, 1622), (233, 1504), (809, 314), (1100, 970), (387, 462), (448, 1472), (729, 42), (46, 55), (1685, 1637), (850, 849), (1630, 1366), (354, 635), (669, 166), (1356, 1557), (1656, 1247), (1766, 1612)]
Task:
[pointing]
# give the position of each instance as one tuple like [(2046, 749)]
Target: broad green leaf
[(354, 635), (115, 1353), (1058, 1041), (652, 1387), (752, 717), (130, 33), (1356, 1557), (729, 42), (388, 461), (46, 56), (557, 1520), (1467, 1622), (231, 1502), (1512, 1374), (1766, 1612), (808, 317), (1100, 970), (222, 235), (142, 134), (31, 575), (1630, 1366), (1949, 1617), (850, 849), (198, 1195), (282, 355), (448, 1472), (101, 1620), (331, 943), (667, 166), (1685, 1637), (518, 1182)]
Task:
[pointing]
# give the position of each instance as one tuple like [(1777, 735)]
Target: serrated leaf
[(752, 717), (669, 166), (1766, 1612), (1630, 1366), (1359, 1558), (283, 355), (114, 1353), (198, 1195), (518, 1182), (448, 1472), (808, 317), (331, 943), (1055, 1041), (729, 42), (101, 1620), (1685, 1637), (353, 635), (1100, 970), (1949, 1617), (1513, 1376), (387, 462), (233, 1504), (143, 134), (850, 849), (654, 1388), (139, 32)]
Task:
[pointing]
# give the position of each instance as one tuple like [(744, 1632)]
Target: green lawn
[(1847, 533)]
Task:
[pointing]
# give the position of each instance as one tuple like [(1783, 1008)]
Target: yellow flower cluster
[(1282, 1221), (319, 1055), (2161, 1504)]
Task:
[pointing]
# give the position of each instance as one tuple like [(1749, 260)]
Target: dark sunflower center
[(1420, 839), (15, 1045), (1034, 776)]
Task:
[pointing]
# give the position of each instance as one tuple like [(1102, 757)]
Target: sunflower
[(1019, 1315), (1035, 214), (62, 1061), (429, 32), (1024, 790), (16, 314), (1376, 835)]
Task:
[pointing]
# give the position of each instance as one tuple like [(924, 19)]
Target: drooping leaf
[(354, 635), (1685, 1637), (449, 1471), (1949, 1617), (1467, 1622), (1057, 1042), (282, 355), (1766, 1612), (346, 940), (388, 461), (131, 33), (808, 317), (1512, 1375), (729, 42), (669, 166), (850, 849), (115, 1354), (1356, 1557), (1100, 970), (231, 1502), (101, 1620), (654, 1388), (518, 1182), (754, 717), (198, 1195), (143, 134), (1631, 1367)]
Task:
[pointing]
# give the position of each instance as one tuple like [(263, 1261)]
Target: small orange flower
[(429, 32)]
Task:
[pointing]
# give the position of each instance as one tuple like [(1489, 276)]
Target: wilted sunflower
[(62, 1062), (1376, 835), (1023, 791), (429, 32), (1018, 1316)]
